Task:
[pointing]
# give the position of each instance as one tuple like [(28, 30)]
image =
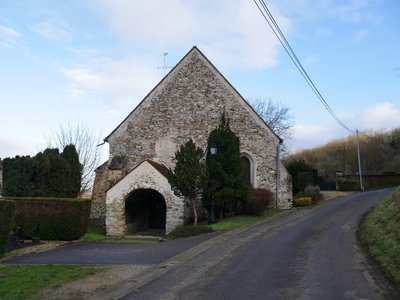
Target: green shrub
[(258, 202), (48, 174), (302, 201), (186, 231), (58, 219), (348, 184), (314, 193), (7, 214)]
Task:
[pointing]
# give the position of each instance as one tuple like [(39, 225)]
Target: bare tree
[(277, 116), (85, 140)]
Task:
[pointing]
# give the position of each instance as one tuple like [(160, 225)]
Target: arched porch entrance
[(145, 212)]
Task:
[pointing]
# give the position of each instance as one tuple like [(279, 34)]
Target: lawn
[(23, 282), (26, 281), (226, 224), (380, 232), (98, 234), (242, 221)]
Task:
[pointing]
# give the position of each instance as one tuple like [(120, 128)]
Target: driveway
[(112, 253)]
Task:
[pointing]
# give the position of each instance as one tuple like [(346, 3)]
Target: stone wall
[(188, 104), (145, 176)]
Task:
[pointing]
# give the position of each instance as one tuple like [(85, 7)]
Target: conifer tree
[(73, 180), (226, 181), (189, 174)]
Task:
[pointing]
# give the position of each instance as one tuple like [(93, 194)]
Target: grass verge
[(242, 221), (224, 224), (23, 281), (380, 233), (98, 234)]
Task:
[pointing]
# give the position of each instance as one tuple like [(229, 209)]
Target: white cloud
[(384, 116), (309, 135), (360, 35), (114, 82), (311, 59), (52, 32), (11, 146), (9, 33), (234, 35)]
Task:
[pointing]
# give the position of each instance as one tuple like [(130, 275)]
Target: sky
[(92, 61)]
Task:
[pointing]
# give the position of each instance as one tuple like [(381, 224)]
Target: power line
[(284, 42)]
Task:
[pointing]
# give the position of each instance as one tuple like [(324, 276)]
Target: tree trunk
[(194, 213)]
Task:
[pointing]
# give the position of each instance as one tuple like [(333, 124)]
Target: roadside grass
[(27, 281), (380, 233), (242, 221), (23, 281), (229, 223), (97, 233)]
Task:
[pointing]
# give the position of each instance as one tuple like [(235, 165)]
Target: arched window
[(247, 169)]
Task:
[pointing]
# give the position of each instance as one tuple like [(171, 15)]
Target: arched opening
[(145, 212), (247, 169)]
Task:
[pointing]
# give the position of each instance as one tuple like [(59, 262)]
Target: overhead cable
[(284, 42)]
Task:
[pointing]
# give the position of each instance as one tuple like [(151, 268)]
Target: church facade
[(131, 189)]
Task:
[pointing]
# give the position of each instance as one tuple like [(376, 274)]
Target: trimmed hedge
[(7, 214), (348, 184), (303, 201), (57, 219), (258, 202)]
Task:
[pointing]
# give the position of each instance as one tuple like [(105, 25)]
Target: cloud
[(9, 37), (114, 82), (360, 35), (11, 146), (234, 35), (52, 32), (9, 33), (309, 135), (384, 116), (311, 59), (352, 11)]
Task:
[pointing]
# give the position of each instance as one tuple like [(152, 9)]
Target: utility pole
[(359, 161)]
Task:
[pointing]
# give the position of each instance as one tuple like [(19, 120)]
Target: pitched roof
[(194, 49), (160, 168)]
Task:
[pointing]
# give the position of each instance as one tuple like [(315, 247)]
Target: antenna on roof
[(165, 67)]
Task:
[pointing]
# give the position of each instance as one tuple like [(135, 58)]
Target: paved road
[(306, 254), (303, 254), (111, 253)]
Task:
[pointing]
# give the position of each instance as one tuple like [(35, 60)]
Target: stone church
[(131, 189)]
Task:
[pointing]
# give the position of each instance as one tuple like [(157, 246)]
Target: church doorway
[(145, 212)]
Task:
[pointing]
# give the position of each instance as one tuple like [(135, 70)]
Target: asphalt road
[(301, 254), (305, 254), (111, 253)]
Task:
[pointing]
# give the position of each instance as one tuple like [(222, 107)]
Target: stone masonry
[(188, 103)]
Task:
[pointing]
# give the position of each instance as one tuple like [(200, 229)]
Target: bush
[(7, 214), (348, 184), (58, 219), (258, 202), (303, 201), (314, 193), (48, 174), (186, 231)]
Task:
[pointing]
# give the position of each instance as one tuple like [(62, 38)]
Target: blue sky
[(93, 61)]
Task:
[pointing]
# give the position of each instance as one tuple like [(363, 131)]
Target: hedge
[(56, 218), (258, 202), (303, 201), (348, 184), (7, 214)]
